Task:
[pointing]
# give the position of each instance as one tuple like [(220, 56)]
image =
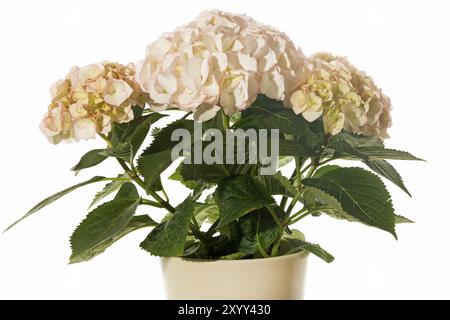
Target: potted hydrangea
[(253, 103)]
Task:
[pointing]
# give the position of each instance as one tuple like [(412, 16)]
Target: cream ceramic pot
[(251, 279)]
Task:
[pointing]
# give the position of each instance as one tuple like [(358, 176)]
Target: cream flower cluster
[(345, 97), (220, 60), (89, 100)]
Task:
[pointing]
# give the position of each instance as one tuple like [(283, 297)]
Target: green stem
[(186, 115), (260, 248), (274, 216), (293, 203), (282, 227), (135, 177), (307, 213), (104, 137), (212, 230), (283, 202), (141, 183), (305, 168), (312, 169), (197, 233), (151, 203), (299, 218), (304, 209), (117, 179), (326, 161), (298, 175), (165, 194), (284, 199), (276, 246), (226, 120)]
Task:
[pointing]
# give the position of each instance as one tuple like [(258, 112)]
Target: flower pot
[(265, 279)]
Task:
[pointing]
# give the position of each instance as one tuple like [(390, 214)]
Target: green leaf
[(206, 212), (372, 152), (383, 153), (259, 232), (354, 146), (168, 238), (385, 169), (359, 140), (132, 141), (291, 148), (157, 157), (90, 159), (324, 170), (401, 219), (266, 113), (153, 164), (104, 224), (277, 184), (123, 131), (238, 196), (361, 194), (297, 244), (121, 151), (317, 199), (284, 160), (127, 138), (205, 173), (343, 149), (162, 137), (136, 223), (269, 114), (176, 176), (157, 185), (213, 173), (55, 197), (109, 188)]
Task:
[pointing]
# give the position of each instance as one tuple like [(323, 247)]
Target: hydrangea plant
[(230, 73)]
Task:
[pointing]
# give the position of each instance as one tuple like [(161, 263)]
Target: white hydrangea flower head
[(343, 96), (220, 60), (89, 100)]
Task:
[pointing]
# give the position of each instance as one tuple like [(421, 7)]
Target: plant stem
[(274, 216), (151, 203), (307, 213), (104, 137), (141, 183), (300, 217), (261, 249), (293, 202), (326, 161), (276, 246), (135, 177), (165, 194), (226, 120), (298, 173), (282, 227), (283, 202), (212, 230), (284, 199), (312, 169), (304, 209), (186, 115), (117, 179)]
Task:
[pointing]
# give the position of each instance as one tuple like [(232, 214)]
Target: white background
[(404, 45)]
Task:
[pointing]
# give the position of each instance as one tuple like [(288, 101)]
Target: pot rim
[(301, 254)]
